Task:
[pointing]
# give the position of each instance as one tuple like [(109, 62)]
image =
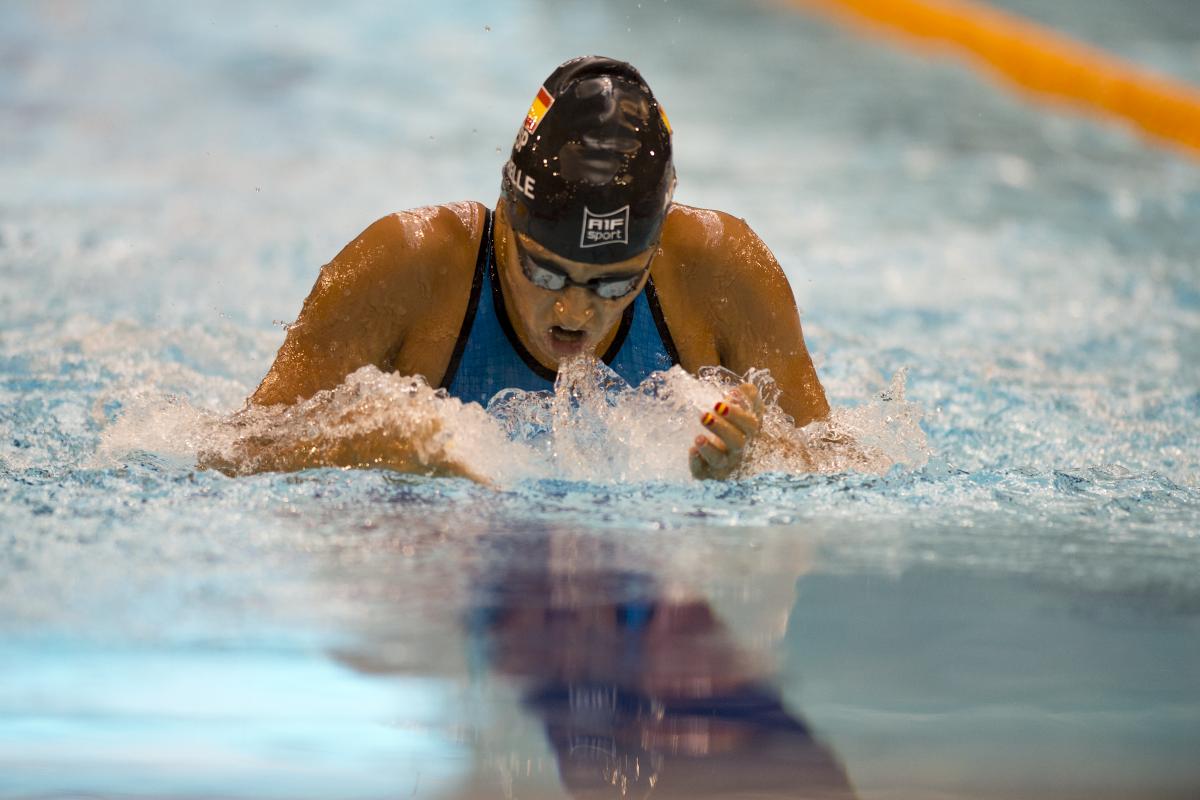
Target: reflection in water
[(644, 695)]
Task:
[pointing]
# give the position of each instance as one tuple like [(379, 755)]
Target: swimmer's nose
[(573, 309)]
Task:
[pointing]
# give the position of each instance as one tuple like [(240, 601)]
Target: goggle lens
[(606, 288)]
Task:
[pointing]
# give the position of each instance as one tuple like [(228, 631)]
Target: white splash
[(592, 427), (595, 427), (872, 437)]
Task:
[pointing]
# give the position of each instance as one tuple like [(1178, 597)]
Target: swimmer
[(584, 253)]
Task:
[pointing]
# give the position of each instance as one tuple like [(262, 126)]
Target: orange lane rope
[(1039, 60)]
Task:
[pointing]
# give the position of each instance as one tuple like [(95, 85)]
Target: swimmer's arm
[(358, 313), (354, 315), (762, 327), (764, 331), (274, 447), (754, 322)]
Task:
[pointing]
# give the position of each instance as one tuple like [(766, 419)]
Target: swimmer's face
[(577, 318)]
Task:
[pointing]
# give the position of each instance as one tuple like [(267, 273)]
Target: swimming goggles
[(545, 275)]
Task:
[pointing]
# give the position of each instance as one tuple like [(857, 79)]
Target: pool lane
[(1160, 35), (1039, 60)]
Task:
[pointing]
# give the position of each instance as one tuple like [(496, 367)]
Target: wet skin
[(557, 325), (396, 296)]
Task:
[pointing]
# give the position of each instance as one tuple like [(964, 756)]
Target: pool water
[(1002, 298)]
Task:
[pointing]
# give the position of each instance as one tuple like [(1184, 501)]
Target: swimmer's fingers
[(746, 395), (713, 451), (709, 458), (730, 424), (742, 408), (696, 463), (735, 419)]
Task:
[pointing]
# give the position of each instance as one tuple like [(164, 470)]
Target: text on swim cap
[(521, 182), (601, 229)]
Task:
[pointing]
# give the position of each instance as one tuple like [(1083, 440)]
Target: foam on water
[(593, 427), (103, 417)]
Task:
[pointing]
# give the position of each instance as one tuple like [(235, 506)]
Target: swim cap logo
[(602, 229), (541, 104)]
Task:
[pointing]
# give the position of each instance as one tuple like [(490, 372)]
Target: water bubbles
[(593, 427)]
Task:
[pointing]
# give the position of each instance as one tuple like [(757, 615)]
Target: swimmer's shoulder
[(699, 244), (449, 237), (683, 273), (390, 298), (427, 242), (436, 275), (713, 272), (414, 262), (711, 251), (408, 244)]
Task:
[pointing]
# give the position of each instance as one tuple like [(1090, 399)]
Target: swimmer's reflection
[(642, 695)]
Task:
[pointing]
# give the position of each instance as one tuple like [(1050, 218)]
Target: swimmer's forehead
[(628, 267)]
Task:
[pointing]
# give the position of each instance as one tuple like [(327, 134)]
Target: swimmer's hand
[(731, 427)]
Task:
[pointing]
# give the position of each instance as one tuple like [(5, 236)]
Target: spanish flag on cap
[(541, 104)]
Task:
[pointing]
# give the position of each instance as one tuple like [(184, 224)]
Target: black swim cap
[(591, 177)]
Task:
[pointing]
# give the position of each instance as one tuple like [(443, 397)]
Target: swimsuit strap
[(489, 356)]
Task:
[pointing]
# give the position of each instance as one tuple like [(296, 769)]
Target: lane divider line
[(1038, 60)]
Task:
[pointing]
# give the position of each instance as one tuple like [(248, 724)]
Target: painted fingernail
[(722, 409), (707, 419)]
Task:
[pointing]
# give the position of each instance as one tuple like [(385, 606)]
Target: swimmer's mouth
[(566, 342), (565, 335)]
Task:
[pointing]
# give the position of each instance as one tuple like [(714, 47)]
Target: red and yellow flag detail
[(541, 104), (663, 113)]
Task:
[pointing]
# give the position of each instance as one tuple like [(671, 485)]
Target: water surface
[(1010, 615)]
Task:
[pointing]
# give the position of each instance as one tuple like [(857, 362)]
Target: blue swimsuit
[(489, 357)]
